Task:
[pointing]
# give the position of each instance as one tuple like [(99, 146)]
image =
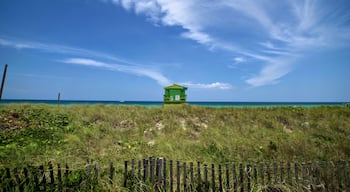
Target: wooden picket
[(160, 174)]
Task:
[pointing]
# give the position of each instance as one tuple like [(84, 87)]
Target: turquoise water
[(160, 103)]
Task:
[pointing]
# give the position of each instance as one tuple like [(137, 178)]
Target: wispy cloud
[(101, 60), (135, 70), (216, 85), (287, 29)]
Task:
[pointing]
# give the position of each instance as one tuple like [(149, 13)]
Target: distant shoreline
[(160, 103)]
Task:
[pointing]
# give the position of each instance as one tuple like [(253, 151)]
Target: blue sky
[(222, 50)]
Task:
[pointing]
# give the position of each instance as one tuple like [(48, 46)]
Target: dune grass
[(39, 133)]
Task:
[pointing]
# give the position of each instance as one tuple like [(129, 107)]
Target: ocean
[(160, 103)]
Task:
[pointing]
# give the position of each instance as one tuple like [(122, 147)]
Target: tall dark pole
[(59, 99), (3, 81)]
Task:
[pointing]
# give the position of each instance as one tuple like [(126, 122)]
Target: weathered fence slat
[(311, 176)]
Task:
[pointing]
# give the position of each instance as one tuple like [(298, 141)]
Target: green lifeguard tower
[(175, 94)]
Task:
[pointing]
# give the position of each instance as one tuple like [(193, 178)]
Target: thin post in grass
[(59, 99), (3, 81)]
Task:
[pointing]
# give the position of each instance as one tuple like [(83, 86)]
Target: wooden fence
[(159, 174)]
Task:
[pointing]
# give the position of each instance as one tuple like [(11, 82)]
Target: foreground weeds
[(40, 133)]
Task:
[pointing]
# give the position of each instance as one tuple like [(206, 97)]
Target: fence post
[(88, 172), (282, 172), (96, 173), (332, 177), (213, 177), (171, 175), (191, 177), (339, 176), (234, 177), (125, 173), (164, 174), (275, 172), (178, 176), (296, 172), (18, 180), (206, 177), (26, 177), (220, 178), (241, 177), (52, 176), (42, 175), (325, 178), (159, 172), (249, 168), (262, 174), (199, 184), (184, 177), (289, 174), (347, 184), (151, 171), (268, 174), (139, 167), (145, 170), (255, 172), (111, 172), (66, 174), (227, 176)]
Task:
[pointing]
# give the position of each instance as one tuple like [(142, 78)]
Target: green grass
[(34, 134)]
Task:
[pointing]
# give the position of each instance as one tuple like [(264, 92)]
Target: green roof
[(175, 86)]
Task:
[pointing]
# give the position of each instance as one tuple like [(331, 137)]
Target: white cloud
[(136, 70), (216, 85), (288, 29), (239, 59), (116, 64)]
